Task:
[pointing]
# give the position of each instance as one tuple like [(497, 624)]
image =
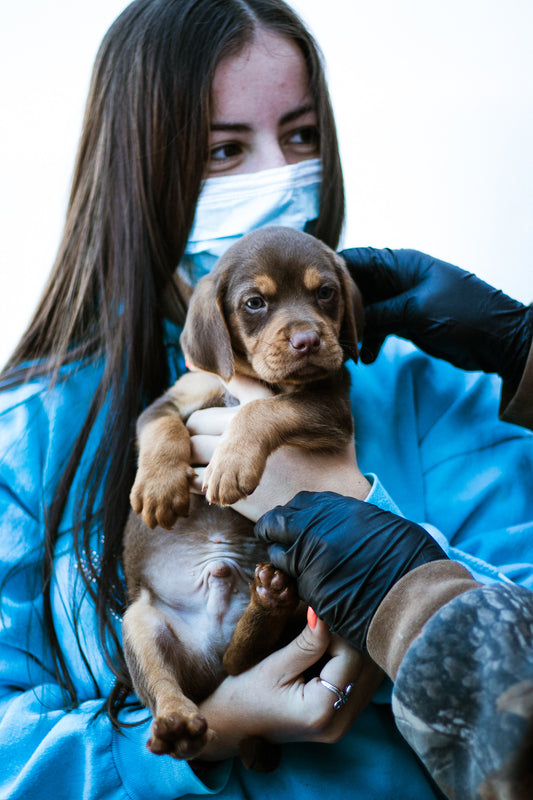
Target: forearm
[(409, 605), (463, 696)]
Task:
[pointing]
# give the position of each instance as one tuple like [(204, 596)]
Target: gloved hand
[(445, 311), (345, 555)]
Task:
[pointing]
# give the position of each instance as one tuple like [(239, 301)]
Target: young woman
[(183, 91)]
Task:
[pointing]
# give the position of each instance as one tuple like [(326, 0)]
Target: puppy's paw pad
[(162, 499), (224, 486), (274, 589), (180, 736), (233, 474)]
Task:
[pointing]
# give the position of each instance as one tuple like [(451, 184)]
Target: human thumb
[(247, 389), (303, 652)]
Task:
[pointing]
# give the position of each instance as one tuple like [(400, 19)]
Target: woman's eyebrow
[(234, 127), (242, 127), (298, 112)]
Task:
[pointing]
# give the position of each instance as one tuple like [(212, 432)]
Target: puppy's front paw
[(233, 473), (161, 496), (179, 735), (274, 589)]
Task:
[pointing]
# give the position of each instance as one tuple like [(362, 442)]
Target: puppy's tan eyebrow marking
[(266, 284), (312, 279)]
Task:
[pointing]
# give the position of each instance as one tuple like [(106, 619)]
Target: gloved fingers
[(272, 527), (388, 316), (370, 347), (374, 280), (279, 557), (362, 271), (284, 524)]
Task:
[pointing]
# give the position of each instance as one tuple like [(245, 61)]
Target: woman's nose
[(268, 155)]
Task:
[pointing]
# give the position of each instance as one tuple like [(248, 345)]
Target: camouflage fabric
[(477, 653)]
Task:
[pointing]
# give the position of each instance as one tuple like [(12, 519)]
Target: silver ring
[(342, 696)]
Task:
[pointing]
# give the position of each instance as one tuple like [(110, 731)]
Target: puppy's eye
[(326, 293), (255, 303)]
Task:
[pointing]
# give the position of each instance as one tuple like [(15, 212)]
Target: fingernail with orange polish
[(311, 618)]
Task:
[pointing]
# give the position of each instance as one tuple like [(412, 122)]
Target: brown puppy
[(279, 306), (196, 613)]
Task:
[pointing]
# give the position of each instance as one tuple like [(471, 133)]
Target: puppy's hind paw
[(179, 736), (274, 589)]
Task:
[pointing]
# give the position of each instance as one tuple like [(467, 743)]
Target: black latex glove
[(344, 554), (445, 311)]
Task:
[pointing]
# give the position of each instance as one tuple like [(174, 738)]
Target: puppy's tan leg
[(162, 483), (273, 600), (152, 653)]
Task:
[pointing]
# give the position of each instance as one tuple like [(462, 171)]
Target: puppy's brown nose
[(304, 342)]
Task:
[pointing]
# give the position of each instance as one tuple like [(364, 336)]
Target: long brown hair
[(138, 173)]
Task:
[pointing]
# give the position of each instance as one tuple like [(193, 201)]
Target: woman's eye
[(223, 151), (224, 156), (306, 139), (255, 303), (326, 293)]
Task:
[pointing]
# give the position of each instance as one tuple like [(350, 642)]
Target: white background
[(434, 104)]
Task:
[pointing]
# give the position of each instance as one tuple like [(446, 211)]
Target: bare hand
[(288, 471), (273, 700)]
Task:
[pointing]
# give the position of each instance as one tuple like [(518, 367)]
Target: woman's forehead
[(267, 79)]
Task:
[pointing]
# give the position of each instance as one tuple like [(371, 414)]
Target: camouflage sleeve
[(463, 697)]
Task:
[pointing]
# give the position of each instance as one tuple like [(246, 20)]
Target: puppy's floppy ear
[(352, 323), (205, 340)]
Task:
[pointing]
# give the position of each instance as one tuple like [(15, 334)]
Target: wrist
[(410, 603)]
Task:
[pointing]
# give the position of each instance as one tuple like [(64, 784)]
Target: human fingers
[(350, 667), (343, 667), (290, 662), (197, 484), (246, 389), (211, 421), (307, 708), (325, 706), (268, 699), (203, 446)]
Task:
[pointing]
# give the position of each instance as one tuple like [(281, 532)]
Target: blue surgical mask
[(230, 207)]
